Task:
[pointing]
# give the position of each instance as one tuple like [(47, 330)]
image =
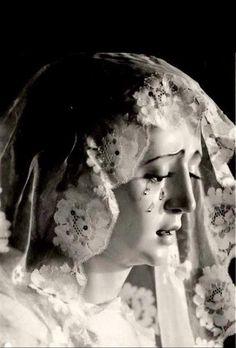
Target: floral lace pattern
[(60, 286), (174, 267), (221, 220), (18, 275), (163, 99), (142, 302), (219, 135), (202, 342), (215, 300), (119, 152), (85, 218)]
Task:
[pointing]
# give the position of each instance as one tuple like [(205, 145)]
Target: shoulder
[(20, 326), (45, 309)]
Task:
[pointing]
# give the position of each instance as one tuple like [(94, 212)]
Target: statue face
[(153, 202)]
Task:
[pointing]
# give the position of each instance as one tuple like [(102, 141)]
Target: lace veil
[(76, 132)]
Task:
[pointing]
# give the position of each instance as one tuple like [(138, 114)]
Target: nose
[(181, 198)]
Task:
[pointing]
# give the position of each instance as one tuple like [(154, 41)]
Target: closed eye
[(156, 178), (192, 175)]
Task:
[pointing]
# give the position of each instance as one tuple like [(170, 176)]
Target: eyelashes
[(192, 175), (157, 179)]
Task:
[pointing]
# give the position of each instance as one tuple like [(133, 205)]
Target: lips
[(166, 236), (162, 233), (167, 230)]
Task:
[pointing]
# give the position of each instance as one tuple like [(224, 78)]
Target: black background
[(215, 71)]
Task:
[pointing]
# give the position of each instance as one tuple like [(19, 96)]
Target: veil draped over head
[(77, 131)]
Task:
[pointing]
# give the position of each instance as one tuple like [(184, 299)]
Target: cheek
[(135, 223), (144, 198), (132, 202), (130, 217), (127, 230), (134, 235)]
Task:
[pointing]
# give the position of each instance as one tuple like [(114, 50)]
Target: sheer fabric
[(59, 167)]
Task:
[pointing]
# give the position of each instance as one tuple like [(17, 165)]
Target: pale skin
[(169, 165)]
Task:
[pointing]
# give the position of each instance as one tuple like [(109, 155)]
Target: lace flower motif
[(219, 138), (142, 302), (201, 342), (118, 151), (73, 334), (83, 223), (59, 284), (221, 219), (183, 270), (91, 162), (215, 301), (18, 275), (173, 267), (161, 101), (4, 233)]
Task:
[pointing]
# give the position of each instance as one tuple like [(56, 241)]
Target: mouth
[(167, 236), (163, 233)]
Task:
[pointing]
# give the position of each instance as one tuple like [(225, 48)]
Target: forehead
[(173, 140)]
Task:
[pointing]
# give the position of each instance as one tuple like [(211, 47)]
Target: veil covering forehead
[(80, 129)]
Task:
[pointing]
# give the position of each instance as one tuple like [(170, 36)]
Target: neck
[(105, 279)]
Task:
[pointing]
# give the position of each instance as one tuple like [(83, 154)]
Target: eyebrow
[(173, 154)]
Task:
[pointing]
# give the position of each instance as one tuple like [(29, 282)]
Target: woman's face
[(153, 202)]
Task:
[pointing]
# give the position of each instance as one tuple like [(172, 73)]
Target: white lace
[(85, 217), (215, 301), (119, 152), (163, 100), (142, 302), (221, 221), (59, 285)]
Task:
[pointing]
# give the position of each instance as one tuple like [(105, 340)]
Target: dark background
[(214, 70)]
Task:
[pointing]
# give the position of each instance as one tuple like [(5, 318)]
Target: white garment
[(115, 326), (45, 310), (175, 332)]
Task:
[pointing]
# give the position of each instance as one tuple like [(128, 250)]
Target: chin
[(155, 258)]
